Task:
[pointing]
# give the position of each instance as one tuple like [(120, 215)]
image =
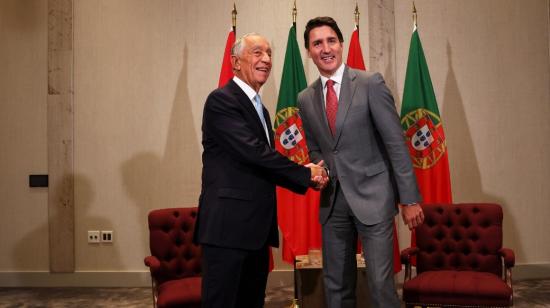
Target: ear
[(235, 63), (308, 53)]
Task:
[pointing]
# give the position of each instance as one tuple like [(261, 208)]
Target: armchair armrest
[(406, 255), (154, 266), (509, 260), (508, 257), (153, 263)]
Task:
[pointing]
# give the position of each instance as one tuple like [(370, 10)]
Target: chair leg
[(153, 293)]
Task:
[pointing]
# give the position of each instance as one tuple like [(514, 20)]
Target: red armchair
[(175, 261), (459, 258)]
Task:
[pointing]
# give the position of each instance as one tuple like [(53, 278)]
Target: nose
[(325, 47), (266, 58)]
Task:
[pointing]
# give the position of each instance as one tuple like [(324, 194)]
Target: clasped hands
[(319, 176)]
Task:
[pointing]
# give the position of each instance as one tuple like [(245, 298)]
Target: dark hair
[(319, 22)]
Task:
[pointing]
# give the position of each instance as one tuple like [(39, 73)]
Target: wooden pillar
[(60, 136)]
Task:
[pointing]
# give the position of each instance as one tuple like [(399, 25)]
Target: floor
[(528, 294)]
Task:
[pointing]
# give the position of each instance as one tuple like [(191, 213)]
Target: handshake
[(319, 176)]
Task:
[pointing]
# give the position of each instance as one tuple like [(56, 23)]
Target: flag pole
[(356, 13), (234, 17), (294, 13), (414, 16), (294, 303)]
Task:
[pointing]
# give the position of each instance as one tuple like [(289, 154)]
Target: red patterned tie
[(331, 106)]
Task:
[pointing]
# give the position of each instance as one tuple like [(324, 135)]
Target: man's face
[(253, 64), (325, 50)]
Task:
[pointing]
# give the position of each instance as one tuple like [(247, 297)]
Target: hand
[(412, 215), (319, 177)]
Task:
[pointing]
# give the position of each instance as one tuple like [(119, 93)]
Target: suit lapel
[(319, 106), (269, 129), (247, 105), (347, 90)]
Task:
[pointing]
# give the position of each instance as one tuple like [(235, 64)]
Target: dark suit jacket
[(368, 155), (237, 206)]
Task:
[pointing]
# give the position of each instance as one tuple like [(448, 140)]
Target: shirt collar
[(246, 88), (336, 77)]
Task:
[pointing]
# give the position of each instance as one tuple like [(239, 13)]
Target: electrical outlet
[(93, 237), (107, 236)]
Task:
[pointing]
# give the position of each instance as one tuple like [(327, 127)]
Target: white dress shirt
[(251, 95), (337, 78)]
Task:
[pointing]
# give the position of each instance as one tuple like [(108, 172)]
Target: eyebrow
[(329, 38), (255, 48)]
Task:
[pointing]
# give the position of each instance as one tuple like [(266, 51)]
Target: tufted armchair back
[(464, 237), (171, 242)]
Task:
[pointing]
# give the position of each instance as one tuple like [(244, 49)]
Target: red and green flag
[(297, 214), (226, 72), (355, 60), (424, 130), (355, 54)]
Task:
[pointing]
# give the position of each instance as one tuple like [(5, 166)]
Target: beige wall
[(490, 70), (142, 73), (143, 70), (23, 89)]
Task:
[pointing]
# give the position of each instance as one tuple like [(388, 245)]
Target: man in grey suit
[(351, 123)]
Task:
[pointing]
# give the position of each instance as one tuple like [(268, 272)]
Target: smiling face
[(253, 63), (325, 50)]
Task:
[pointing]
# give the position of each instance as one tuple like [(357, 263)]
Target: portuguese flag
[(355, 54), (226, 72), (424, 130), (297, 214)]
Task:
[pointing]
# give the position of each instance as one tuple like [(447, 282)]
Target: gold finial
[(356, 13), (294, 304), (234, 16), (294, 13), (414, 15)]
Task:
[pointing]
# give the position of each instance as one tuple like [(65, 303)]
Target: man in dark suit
[(351, 123), (237, 219)]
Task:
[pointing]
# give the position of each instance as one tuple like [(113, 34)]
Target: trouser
[(339, 261), (234, 278)]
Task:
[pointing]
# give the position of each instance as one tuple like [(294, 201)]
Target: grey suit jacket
[(368, 155)]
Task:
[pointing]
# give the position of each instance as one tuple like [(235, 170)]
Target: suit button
[(335, 152)]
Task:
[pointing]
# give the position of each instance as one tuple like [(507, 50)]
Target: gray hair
[(240, 44)]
